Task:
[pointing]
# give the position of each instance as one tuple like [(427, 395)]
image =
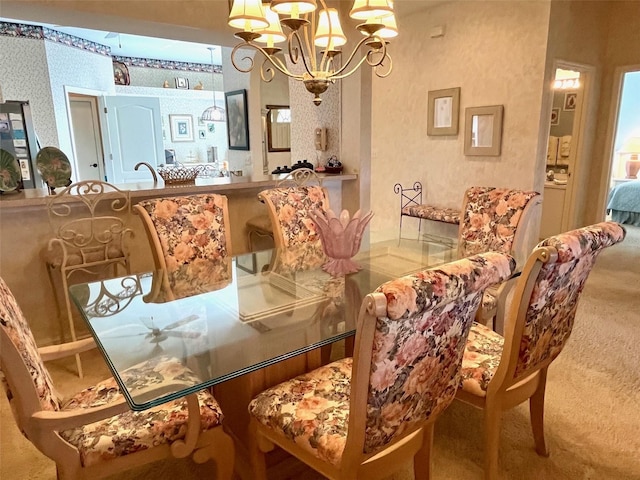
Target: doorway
[(85, 137), (571, 100)]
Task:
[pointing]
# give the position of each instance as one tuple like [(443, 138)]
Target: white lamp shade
[(390, 28), (631, 145), (366, 9), (329, 33), (273, 33), (293, 8), (247, 15)]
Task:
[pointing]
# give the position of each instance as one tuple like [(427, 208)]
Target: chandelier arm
[(308, 40), (268, 57), (338, 73), (390, 67), (295, 35)]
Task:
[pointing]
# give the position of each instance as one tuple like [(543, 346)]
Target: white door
[(85, 130), (134, 135)]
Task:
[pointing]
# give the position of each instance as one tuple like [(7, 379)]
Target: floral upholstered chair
[(94, 434), (498, 372), (294, 232), (496, 219), (191, 243), (410, 339)]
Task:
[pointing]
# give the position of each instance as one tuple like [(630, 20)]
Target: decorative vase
[(341, 238), (632, 166)]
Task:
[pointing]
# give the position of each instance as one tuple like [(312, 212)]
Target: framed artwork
[(483, 130), (570, 100), (121, 74), (555, 116), (443, 108), (181, 128), (202, 134), (237, 119), (182, 83)]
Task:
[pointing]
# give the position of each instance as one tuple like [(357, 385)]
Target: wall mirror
[(278, 128), (483, 130)]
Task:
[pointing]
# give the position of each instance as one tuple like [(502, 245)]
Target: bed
[(624, 203)]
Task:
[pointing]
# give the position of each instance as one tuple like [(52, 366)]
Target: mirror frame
[(494, 149), (270, 147)]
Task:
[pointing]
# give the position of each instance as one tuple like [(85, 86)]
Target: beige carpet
[(592, 410)]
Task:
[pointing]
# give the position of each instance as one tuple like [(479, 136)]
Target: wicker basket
[(178, 175)]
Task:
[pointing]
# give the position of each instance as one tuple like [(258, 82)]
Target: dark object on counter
[(280, 170), (333, 165), (302, 164)]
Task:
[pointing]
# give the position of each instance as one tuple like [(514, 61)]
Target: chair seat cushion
[(135, 431), (481, 359), (431, 212), (311, 410)]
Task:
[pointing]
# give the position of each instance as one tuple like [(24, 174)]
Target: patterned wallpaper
[(478, 39)]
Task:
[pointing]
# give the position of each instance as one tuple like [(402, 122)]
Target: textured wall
[(24, 74), (494, 51)]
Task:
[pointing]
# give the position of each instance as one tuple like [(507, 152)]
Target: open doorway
[(623, 202)]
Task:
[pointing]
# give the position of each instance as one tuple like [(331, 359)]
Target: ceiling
[(126, 45)]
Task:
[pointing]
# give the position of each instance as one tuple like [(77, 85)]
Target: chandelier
[(312, 40), (213, 113)]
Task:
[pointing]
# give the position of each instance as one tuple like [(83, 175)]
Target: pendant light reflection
[(213, 113)]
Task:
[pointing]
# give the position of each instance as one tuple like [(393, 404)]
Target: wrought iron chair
[(190, 264), (498, 372), (88, 220), (94, 433), (496, 219), (361, 417)]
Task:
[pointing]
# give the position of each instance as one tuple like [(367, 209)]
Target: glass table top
[(265, 313)]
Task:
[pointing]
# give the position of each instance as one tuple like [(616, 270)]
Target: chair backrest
[(495, 219), (26, 380), (410, 339), (88, 220), (546, 298), (190, 240), (289, 208)]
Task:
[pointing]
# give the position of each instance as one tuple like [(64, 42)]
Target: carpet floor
[(592, 414)]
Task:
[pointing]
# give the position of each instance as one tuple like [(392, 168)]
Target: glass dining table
[(275, 317)]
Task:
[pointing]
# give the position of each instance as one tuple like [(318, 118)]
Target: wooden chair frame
[(41, 427), (506, 390)]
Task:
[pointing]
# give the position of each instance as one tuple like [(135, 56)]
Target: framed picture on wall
[(570, 100), (181, 128), (555, 116), (443, 107), (237, 119), (182, 83)]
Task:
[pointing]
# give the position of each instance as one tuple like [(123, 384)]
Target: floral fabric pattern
[(414, 371), (14, 324), (192, 234), (554, 300), (141, 430), (292, 206), (490, 219), (551, 308), (481, 359), (430, 212)]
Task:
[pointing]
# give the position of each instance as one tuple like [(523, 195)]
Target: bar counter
[(25, 232)]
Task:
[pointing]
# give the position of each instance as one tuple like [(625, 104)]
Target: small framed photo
[(181, 128), (202, 134), (182, 83), (570, 100), (443, 108), (555, 116), (483, 130)]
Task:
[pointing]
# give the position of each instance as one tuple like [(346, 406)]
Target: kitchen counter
[(224, 185)]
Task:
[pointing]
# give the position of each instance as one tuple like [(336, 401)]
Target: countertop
[(38, 196)]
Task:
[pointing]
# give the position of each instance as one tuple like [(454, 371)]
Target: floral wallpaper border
[(37, 32)]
